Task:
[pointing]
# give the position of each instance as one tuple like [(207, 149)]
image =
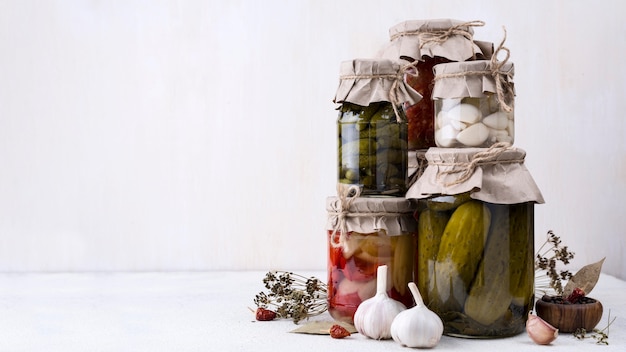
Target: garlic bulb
[(373, 317), (540, 331), (418, 326)]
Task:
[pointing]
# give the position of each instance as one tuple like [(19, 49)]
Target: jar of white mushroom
[(473, 104)]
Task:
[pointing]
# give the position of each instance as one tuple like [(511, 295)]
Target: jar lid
[(495, 175), (371, 214), (366, 81), (472, 79), (448, 38)]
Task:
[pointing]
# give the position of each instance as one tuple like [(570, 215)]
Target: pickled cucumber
[(431, 225), (358, 147), (522, 249), (489, 296), (370, 139), (402, 264), (460, 253)]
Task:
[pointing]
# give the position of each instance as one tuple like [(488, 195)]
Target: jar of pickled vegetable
[(475, 244), (372, 148), (426, 43), (371, 127), (474, 104), (364, 233)]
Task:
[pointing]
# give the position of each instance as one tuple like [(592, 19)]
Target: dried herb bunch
[(547, 259), (600, 335), (292, 296)]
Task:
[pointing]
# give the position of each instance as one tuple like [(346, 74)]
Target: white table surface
[(207, 311)]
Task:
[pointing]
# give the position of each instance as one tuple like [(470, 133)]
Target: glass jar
[(471, 109), (372, 148), (475, 248), (367, 233), (427, 43), (476, 264), (421, 129)]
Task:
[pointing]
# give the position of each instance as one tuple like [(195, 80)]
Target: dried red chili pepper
[(263, 314), (338, 332), (575, 296)]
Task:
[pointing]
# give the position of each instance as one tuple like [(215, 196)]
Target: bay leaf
[(585, 279), (322, 327)]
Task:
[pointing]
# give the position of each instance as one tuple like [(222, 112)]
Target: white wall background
[(200, 135)]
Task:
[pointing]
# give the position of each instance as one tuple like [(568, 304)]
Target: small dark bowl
[(571, 316)]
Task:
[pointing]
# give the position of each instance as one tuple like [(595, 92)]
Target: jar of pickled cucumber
[(364, 233), (474, 104), (426, 43), (475, 246), (371, 127)]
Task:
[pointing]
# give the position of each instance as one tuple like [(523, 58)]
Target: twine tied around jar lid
[(439, 35), (347, 195), (466, 169), (502, 78), (396, 78)]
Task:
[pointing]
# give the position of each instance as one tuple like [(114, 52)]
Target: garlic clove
[(474, 135), (464, 112), (540, 331), (441, 119), (497, 120), (374, 316), (446, 136), (458, 125)]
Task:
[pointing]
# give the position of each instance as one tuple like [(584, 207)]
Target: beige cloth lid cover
[(366, 81), (371, 214), (500, 178), (464, 79), (406, 38)]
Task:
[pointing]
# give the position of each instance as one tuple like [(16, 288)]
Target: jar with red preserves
[(364, 233), (426, 43)]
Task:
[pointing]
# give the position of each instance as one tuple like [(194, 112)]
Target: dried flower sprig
[(546, 259), (600, 335), (292, 296)]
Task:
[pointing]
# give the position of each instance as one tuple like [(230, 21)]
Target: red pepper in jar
[(421, 116), (352, 274)]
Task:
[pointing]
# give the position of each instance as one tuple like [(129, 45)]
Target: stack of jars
[(381, 117), (429, 183), (370, 222)]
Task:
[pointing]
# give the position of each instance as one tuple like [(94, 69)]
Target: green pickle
[(372, 149), (475, 264)]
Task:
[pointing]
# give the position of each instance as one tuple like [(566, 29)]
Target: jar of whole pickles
[(426, 43), (364, 233), (474, 104), (371, 128), (475, 246)]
